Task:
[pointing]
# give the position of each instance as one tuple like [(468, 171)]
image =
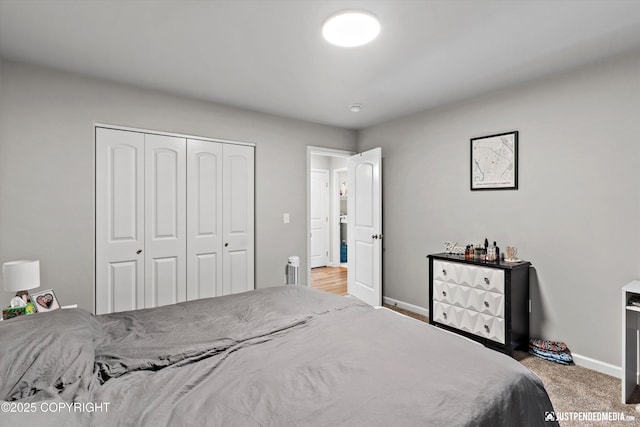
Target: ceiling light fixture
[(355, 108), (351, 28)]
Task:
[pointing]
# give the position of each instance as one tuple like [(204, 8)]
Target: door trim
[(336, 214), (323, 151), (164, 133)]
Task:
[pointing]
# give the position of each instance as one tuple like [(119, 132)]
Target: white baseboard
[(597, 365), (584, 361), (406, 306)]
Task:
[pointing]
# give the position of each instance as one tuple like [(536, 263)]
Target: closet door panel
[(122, 287), (238, 224), (208, 276), (119, 220), (164, 281), (204, 219), (238, 272), (165, 220)]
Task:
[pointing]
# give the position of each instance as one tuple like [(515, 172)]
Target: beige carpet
[(577, 389), (574, 389)]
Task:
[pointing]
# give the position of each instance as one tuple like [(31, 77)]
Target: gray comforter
[(286, 356)]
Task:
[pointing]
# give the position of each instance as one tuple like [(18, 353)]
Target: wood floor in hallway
[(330, 279), (334, 280)]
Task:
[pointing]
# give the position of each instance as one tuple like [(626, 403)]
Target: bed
[(282, 356)]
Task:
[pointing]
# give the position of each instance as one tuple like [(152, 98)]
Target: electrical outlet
[(285, 218)]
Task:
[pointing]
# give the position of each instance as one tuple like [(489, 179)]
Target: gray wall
[(46, 169), (575, 215)]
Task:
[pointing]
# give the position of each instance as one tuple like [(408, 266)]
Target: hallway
[(330, 279)]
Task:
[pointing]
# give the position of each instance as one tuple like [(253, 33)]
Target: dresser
[(485, 301)]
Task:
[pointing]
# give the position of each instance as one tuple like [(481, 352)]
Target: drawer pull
[(444, 293), (486, 304), (444, 315), (486, 280), (444, 272), (486, 328)]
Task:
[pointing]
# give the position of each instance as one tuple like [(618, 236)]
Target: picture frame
[(45, 301), (494, 162)]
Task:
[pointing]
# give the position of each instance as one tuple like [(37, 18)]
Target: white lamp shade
[(21, 275)]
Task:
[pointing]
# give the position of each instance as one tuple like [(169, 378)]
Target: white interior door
[(319, 212), (364, 242), (238, 213), (204, 219), (165, 222), (119, 220)]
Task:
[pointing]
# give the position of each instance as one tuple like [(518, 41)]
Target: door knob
[(226, 245), (139, 251)]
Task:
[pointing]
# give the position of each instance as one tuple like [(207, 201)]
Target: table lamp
[(20, 276)]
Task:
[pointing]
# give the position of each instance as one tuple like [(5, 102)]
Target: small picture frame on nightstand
[(45, 301)]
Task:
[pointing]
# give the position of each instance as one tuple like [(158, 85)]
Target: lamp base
[(24, 295)]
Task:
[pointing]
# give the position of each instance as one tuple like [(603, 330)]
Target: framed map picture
[(494, 162)]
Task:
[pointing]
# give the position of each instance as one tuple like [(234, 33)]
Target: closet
[(174, 219)]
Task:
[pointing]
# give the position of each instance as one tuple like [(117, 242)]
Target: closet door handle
[(226, 245), (139, 251)]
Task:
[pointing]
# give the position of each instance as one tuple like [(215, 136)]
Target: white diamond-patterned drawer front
[(487, 279), (490, 327), (474, 298), (443, 291), (439, 273), (463, 296), (468, 321), (446, 314), (438, 312), (492, 304), (445, 271)]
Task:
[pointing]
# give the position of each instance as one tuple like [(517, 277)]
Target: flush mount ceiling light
[(351, 28)]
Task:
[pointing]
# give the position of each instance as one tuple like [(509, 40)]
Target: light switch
[(285, 218)]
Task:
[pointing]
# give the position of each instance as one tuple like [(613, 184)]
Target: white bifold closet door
[(174, 219), (165, 240), (220, 222), (204, 220), (120, 221), (238, 214)]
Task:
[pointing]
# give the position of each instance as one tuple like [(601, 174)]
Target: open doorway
[(327, 207)]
